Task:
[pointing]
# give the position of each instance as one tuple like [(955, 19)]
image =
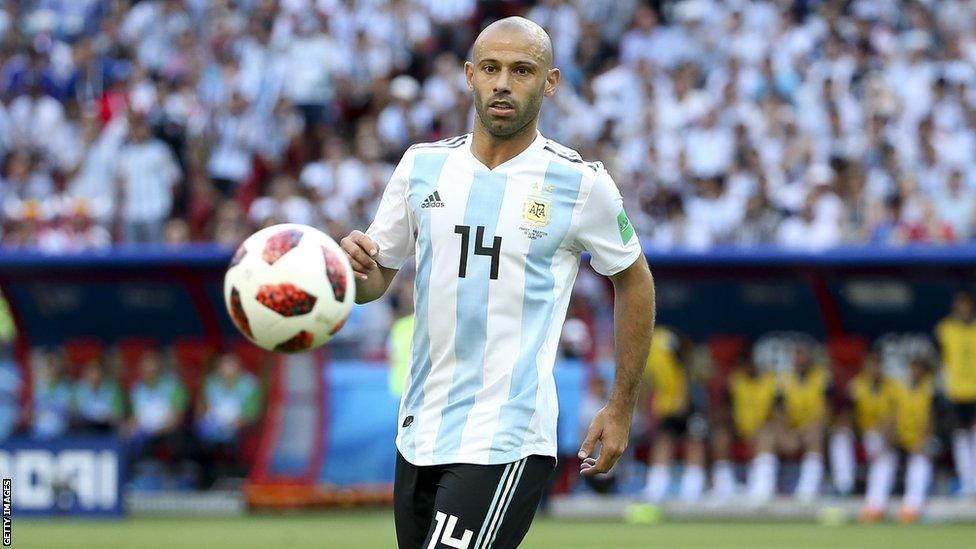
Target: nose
[(502, 82)]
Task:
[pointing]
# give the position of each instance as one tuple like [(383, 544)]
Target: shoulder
[(443, 145), (572, 158)]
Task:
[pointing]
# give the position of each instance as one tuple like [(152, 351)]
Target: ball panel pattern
[(286, 299), (336, 274), (238, 315), (299, 342), (280, 244)]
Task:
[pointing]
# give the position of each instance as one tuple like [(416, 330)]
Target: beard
[(507, 128)]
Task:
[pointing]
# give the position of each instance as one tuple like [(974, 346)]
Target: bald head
[(516, 33)]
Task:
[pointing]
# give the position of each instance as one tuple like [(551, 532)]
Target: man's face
[(509, 77)]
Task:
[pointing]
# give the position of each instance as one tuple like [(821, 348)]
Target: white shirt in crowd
[(148, 173)]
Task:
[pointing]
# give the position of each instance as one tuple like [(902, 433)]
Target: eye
[(522, 71), (489, 68)]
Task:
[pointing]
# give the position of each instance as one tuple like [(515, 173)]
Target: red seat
[(193, 357), (130, 350), (846, 356), (724, 351), (251, 356), (81, 351)]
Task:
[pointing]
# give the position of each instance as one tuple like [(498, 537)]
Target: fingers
[(609, 454), (589, 442), (361, 249)]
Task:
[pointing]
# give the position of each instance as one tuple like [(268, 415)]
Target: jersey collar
[(537, 144)]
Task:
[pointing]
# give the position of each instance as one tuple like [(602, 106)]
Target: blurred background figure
[(911, 420), (956, 335), (159, 405), (51, 414), (229, 405), (97, 400), (803, 419), (679, 424), (11, 389)]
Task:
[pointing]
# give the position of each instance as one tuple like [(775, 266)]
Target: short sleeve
[(605, 230), (393, 226)]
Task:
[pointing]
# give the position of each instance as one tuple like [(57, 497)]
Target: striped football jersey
[(497, 252)]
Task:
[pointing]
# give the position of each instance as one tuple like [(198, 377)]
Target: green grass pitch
[(369, 530)]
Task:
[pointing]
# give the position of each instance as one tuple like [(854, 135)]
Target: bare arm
[(633, 323), (372, 279)]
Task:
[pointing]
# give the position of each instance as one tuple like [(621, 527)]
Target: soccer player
[(677, 419), (873, 395), (804, 391), (957, 341), (497, 220), (751, 396), (912, 413)]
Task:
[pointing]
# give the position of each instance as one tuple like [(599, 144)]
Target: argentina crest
[(536, 210)]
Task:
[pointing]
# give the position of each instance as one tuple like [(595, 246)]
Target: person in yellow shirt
[(911, 427), (956, 335), (873, 396), (750, 397), (801, 418), (666, 374)]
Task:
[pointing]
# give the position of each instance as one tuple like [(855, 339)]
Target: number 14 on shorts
[(445, 532)]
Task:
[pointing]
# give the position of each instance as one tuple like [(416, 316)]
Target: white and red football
[(289, 288)]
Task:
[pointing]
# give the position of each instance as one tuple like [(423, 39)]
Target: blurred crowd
[(804, 124), (182, 425)]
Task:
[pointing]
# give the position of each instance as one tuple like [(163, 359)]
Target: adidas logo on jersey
[(432, 201)]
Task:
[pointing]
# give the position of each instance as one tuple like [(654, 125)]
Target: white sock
[(842, 461), (723, 479), (658, 478), (874, 444), (811, 473), (962, 455), (762, 478), (917, 481), (881, 477), (972, 460), (692, 482)]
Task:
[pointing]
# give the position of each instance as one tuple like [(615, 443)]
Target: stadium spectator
[(97, 400), (147, 175), (956, 335), (230, 403), (283, 205), (51, 412)]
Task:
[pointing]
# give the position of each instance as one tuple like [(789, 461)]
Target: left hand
[(611, 428)]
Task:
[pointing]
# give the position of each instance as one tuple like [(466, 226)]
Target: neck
[(493, 151)]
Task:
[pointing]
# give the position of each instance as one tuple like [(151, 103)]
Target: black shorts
[(691, 424), (964, 414), (465, 505)]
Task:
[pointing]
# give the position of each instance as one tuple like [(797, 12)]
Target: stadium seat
[(251, 356), (80, 351), (723, 350), (130, 350), (193, 357), (846, 354)]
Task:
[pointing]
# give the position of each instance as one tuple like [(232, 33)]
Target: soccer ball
[(289, 288)]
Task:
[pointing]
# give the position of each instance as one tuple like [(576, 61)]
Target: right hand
[(361, 250)]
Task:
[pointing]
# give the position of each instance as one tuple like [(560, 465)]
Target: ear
[(469, 74), (552, 81)]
